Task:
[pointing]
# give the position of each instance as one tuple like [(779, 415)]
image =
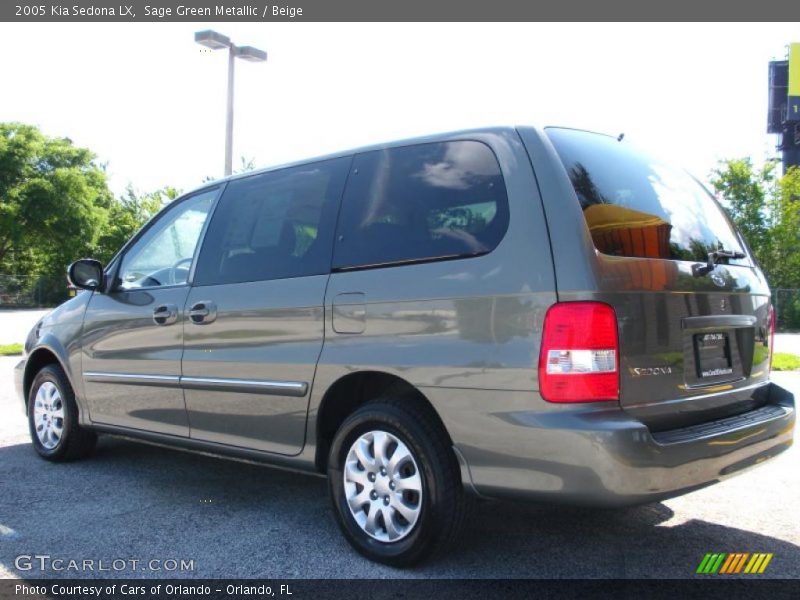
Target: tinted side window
[(273, 226), (638, 206), (429, 201), (164, 253)]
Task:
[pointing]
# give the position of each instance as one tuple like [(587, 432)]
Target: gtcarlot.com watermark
[(41, 563)]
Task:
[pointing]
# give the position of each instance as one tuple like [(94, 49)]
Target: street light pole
[(229, 114), (217, 41)]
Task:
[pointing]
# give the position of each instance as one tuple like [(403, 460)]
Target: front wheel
[(53, 418), (395, 484)]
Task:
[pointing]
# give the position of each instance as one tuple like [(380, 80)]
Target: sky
[(151, 103)]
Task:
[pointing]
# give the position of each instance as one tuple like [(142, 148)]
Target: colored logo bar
[(722, 563)]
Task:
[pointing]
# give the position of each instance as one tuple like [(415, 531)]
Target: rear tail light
[(579, 360), (771, 334)]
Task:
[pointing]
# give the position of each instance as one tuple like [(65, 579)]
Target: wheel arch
[(352, 391), (39, 358)]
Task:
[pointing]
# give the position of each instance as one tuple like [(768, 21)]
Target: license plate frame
[(712, 351)]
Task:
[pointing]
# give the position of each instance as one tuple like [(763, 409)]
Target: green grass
[(760, 353), (10, 349), (783, 361)]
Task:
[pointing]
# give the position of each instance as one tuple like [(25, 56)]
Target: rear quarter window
[(638, 206)]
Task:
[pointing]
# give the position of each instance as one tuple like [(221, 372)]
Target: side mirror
[(86, 273)]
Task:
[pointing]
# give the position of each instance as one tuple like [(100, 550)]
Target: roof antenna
[(620, 136)]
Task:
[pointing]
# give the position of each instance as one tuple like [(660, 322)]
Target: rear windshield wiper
[(701, 269)]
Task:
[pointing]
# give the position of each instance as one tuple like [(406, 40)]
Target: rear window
[(638, 206)]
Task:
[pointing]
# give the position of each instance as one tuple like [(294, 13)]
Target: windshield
[(637, 206)]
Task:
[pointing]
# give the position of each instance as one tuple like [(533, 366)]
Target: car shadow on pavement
[(235, 519), (633, 542)]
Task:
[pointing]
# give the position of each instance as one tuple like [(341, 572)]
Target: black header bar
[(395, 10)]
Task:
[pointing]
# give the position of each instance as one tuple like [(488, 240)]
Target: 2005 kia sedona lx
[(540, 314)]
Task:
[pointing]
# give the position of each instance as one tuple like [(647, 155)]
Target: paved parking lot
[(133, 501)]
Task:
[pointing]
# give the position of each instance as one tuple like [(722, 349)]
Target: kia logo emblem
[(718, 279)]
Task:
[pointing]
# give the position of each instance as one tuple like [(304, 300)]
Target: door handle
[(203, 312), (166, 314)]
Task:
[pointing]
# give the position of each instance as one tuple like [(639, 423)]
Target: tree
[(246, 165), (766, 208), (126, 216), (783, 259), (54, 200), (747, 190)]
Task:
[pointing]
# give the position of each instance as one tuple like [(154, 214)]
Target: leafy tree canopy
[(55, 207), (54, 199), (766, 208), (126, 216)]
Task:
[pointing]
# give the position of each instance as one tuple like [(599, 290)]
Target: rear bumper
[(605, 457)]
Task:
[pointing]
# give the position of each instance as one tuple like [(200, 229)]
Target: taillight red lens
[(579, 360), (771, 334)]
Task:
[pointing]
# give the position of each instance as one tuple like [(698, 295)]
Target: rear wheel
[(53, 418), (395, 483)]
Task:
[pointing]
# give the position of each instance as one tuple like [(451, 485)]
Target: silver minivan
[(549, 315)]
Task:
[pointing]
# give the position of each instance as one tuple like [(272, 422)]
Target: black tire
[(443, 504), (75, 442)]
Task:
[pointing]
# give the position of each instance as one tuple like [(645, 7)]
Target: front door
[(254, 323), (133, 335)]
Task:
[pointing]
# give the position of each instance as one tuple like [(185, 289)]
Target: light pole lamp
[(217, 41)]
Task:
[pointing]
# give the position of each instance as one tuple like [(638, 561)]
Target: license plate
[(713, 352)]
